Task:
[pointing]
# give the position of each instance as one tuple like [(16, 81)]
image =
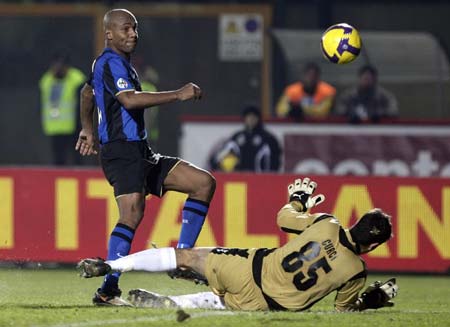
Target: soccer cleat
[(93, 267), (188, 274), (145, 299), (112, 298)]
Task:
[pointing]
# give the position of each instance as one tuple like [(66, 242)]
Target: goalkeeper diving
[(323, 258)]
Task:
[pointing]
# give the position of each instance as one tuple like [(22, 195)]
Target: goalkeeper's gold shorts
[(229, 273)]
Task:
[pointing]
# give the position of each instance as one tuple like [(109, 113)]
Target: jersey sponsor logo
[(121, 83)]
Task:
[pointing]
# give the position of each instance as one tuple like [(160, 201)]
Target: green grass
[(60, 298)]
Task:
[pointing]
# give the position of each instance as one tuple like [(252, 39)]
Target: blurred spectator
[(310, 97), (367, 102), (59, 92), (251, 149), (149, 78)]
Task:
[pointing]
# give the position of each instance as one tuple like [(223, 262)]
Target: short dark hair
[(312, 66), (61, 56), (251, 109), (373, 227), (368, 69)]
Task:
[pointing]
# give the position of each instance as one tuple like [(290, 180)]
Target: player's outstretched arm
[(141, 100), (376, 296), (293, 217), (300, 194), (347, 295), (86, 140), (290, 220)]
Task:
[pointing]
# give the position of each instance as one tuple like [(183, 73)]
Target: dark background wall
[(186, 51), (28, 44), (416, 100), (182, 50)]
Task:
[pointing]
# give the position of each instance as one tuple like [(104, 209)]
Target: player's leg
[(131, 210), (151, 260), (154, 260), (194, 259), (200, 186), (123, 167), (203, 300), (229, 273)]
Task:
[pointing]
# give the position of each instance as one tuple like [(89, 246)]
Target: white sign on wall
[(240, 37), (424, 150)]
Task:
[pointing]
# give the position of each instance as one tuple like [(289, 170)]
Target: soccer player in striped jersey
[(128, 163)]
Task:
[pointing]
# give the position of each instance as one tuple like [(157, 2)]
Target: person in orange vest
[(310, 97)]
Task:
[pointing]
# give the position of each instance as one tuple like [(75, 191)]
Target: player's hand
[(378, 295), (86, 143), (189, 91), (300, 194)]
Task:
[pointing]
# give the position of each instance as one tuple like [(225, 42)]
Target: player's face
[(368, 248), (124, 34)]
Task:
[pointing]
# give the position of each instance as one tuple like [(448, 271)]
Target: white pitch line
[(172, 317), (424, 311), (112, 321), (368, 312)]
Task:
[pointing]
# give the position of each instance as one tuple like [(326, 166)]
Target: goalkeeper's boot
[(110, 298), (144, 299), (93, 267), (188, 274)]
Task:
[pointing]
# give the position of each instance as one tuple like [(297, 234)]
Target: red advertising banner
[(65, 215)]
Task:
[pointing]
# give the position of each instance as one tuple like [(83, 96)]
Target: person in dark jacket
[(367, 102), (250, 149)]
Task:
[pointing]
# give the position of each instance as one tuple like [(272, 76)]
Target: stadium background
[(56, 215)]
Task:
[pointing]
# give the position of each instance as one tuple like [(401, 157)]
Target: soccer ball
[(341, 43)]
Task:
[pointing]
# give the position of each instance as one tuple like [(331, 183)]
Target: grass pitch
[(60, 298)]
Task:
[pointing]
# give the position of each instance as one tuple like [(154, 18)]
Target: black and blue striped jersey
[(111, 75)]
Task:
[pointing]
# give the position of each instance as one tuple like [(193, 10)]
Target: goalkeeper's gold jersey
[(323, 258)]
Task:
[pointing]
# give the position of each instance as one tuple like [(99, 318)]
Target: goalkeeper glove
[(378, 295), (300, 194)]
